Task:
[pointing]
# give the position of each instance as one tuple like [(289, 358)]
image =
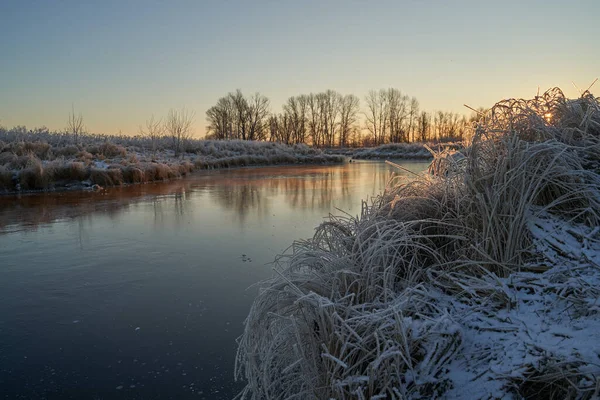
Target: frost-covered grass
[(398, 150), (48, 161), (480, 280)]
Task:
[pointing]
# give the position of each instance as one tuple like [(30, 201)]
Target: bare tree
[(314, 118), (377, 115), (75, 125), (413, 115), (397, 113), (331, 104), (296, 110), (349, 108), (220, 119), (424, 127), (154, 131), (258, 113), (241, 112), (178, 125)]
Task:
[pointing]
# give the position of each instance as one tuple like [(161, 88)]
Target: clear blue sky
[(118, 62)]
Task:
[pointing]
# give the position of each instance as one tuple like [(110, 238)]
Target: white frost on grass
[(478, 281), (403, 150), (552, 324), (47, 161)]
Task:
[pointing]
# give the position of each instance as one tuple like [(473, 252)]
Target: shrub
[(71, 171), (133, 175), (155, 171), (7, 158), (106, 177), (41, 150), (21, 162), (185, 168), (67, 151), (6, 181), (84, 156), (110, 150), (34, 176)]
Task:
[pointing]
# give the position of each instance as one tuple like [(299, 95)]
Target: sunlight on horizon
[(110, 62)]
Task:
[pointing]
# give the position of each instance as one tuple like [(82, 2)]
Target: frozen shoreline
[(35, 167)]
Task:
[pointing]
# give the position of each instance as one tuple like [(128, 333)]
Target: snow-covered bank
[(479, 281), (389, 151), (30, 165)]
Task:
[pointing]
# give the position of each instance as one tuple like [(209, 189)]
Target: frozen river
[(140, 292)]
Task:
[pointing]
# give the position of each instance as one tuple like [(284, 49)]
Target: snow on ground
[(400, 150), (552, 322)]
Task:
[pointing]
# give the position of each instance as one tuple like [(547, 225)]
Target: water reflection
[(145, 288), (243, 191)]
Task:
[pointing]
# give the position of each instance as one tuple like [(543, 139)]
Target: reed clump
[(454, 284), (43, 160), (6, 181)]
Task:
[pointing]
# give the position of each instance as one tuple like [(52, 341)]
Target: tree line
[(324, 119), (329, 119)]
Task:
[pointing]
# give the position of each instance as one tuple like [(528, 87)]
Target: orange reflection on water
[(242, 191)]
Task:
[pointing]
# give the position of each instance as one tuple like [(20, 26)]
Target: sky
[(119, 62)]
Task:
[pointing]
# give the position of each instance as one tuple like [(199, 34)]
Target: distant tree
[(258, 113), (241, 114), (296, 111), (413, 115), (315, 120), (424, 126), (75, 125), (178, 125), (376, 115), (331, 108), (274, 135), (154, 131), (349, 109), (237, 117), (220, 119), (397, 114)]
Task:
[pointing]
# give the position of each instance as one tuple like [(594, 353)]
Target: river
[(140, 292)]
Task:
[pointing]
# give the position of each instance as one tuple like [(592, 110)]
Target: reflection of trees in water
[(177, 205), (242, 191), (320, 189), (242, 198)]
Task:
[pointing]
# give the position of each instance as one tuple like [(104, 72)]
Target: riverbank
[(37, 166), (406, 151), (477, 281)]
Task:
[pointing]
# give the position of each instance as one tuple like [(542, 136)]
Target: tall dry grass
[(369, 307), (49, 161), (6, 181)]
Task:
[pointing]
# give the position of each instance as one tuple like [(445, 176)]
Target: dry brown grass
[(7, 158), (106, 177), (157, 172), (21, 162), (6, 182), (34, 176), (69, 171), (84, 156), (133, 174), (41, 150), (66, 151), (185, 168), (108, 150)]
